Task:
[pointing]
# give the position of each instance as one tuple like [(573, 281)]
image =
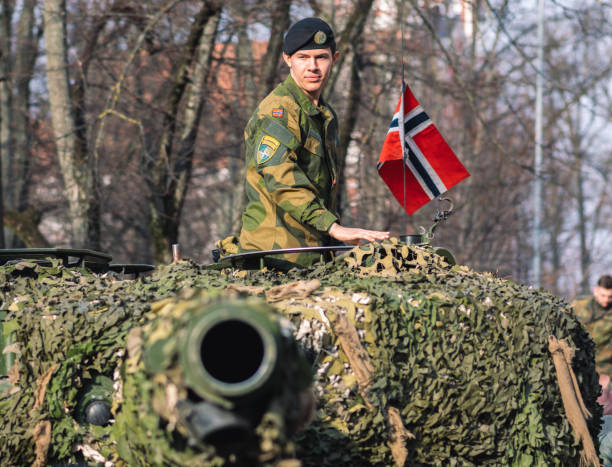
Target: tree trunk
[(575, 140), (6, 140), (193, 112), (245, 70), (231, 216), (80, 126), (25, 225), (280, 23), (585, 257), (350, 40), (350, 36), (17, 68), (75, 166), (171, 169), (347, 126), (25, 57)]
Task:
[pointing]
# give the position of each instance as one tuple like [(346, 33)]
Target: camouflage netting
[(413, 359), (463, 356), (147, 424)]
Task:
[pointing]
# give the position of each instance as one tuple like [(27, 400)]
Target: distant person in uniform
[(595, 313), (291, 171)]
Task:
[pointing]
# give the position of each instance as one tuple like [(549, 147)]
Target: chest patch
[(266, 149)]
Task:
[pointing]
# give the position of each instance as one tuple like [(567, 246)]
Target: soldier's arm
[(581, 311), (286, 182)]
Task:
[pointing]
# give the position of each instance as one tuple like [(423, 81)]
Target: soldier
[(291, 139), (595, 313)]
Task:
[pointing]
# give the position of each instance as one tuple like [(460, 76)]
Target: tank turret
[(414, 361)]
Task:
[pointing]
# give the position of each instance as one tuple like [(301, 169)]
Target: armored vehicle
[(387, 355)]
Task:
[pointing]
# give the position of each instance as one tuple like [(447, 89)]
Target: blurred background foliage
[(121, 122)]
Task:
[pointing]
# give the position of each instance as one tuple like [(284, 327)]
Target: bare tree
[(77, 168), (170, 167), (185, 75), (279, 23), (5, 104)]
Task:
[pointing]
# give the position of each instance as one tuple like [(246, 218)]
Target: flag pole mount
[(426, 235)]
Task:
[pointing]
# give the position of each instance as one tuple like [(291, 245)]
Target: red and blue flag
[(415, 162)]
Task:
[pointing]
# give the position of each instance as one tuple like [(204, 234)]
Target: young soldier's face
[(603, 296), (310, 69)]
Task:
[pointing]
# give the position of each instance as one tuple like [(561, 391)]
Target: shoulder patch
[(266, 149), (278, 131), (278, 112)]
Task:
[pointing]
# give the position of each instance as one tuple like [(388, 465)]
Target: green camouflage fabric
[(462, 356), (291, 174), (598, 322)]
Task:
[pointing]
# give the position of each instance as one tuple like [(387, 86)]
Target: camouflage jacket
[(598, 323), (291, 173)]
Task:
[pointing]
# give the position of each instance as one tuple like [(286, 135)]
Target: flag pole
[(401, 113)]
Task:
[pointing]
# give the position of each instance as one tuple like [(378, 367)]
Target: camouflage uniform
[(598, 322), (291, 174)]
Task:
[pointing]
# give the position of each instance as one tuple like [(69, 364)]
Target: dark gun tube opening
[(232, 357), (231, 352)]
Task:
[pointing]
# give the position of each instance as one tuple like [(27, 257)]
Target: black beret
[(307, 34)]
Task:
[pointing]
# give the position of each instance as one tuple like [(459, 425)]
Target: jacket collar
[(597, 311), (302, 99)]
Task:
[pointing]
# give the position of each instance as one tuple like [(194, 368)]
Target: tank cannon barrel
[(232, 351), (232, 359)]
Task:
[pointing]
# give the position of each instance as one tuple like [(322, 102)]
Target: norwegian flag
[(430, 166)]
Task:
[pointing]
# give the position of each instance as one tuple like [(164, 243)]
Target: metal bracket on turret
[(439, 216)]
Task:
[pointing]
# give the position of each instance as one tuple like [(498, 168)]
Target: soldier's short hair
[(605, 282)]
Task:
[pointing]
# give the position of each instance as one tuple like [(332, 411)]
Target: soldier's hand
[(355, 236)]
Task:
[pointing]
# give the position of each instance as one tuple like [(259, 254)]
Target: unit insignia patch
[(266, 149)]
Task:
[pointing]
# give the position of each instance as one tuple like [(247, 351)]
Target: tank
[(387, 355)]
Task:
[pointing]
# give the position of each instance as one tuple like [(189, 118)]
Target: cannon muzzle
[(229, 362), (231, 351)]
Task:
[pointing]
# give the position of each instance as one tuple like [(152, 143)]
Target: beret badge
[(320, 37)]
